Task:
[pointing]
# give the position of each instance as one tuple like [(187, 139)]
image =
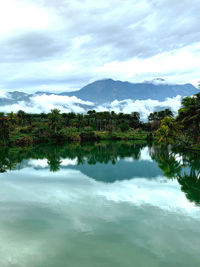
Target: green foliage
[(189, 117), (54, 121), (167, 131), (175, 164), (124, 127), (24, 128), (185, 129), (25, 141), (4, 129), (158, 116)]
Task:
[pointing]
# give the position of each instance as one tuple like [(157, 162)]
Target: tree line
[(184, 130), (23, 128)]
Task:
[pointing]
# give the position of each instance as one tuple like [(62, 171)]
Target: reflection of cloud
[(38, 163), (144, 154), (127, 159), (68, 162), (43, 163), (67, 186), (67, 205)]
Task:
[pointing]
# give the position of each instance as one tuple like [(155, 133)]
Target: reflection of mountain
[(110, 162), (106, 172), (122, 170)]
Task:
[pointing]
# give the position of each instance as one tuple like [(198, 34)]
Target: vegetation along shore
[(26, 129)]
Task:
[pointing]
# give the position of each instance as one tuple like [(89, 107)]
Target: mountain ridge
[(108, 90)]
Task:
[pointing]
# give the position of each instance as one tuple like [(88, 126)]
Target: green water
[(107, 204)]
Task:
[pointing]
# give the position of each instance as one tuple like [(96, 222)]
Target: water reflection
[(109, 162), (103, 204)]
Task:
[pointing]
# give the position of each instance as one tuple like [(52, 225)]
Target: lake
[(105, 204)]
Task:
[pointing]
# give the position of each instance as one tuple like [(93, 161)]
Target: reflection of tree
[(186, 170), (166, 160), (6, 162), (92, 153), (184, 166), (190, 180), (190, 184), (53, 160)]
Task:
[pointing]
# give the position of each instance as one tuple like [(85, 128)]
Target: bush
[(26, 140), (89, 136), (124, 127)]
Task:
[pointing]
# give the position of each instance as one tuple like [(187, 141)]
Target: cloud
[(176, 66), (66, 44), (44, 103), (144, 107), (29, 46), (4, 94)]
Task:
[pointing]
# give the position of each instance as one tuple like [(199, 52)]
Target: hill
[(108, 90)]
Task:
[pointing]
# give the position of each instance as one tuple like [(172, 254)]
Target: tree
[(4, 129), (13, 118), (189, 117), (167, 131), (55, 120), (21, 117), (157, 116), (124, 127)]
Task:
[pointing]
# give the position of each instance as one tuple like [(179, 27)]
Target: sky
[(62, 45)]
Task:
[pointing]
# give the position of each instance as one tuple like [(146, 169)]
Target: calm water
[(116, 205)]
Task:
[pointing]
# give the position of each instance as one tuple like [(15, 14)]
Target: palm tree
[(190, 185), (4, 129), (189, 116), (54, 120), (167, 131), (21, 116), (13, 118)]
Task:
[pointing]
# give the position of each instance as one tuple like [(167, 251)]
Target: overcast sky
[(60, 45)]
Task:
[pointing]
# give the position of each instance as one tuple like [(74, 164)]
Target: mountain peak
[(108, 90)]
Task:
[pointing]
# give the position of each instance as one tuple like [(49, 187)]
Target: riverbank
[(21, 137)]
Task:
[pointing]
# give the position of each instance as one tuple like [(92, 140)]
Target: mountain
[(99, 92), (104, 91), (13, 98)]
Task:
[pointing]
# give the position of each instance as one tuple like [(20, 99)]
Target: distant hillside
[(108, 90), (14, 97)]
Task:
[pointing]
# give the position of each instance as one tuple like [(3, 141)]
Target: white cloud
[(16, 16), (58, 100), (73, 42), (144, 107), (4, 94), (175, 66), (44, 103)]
